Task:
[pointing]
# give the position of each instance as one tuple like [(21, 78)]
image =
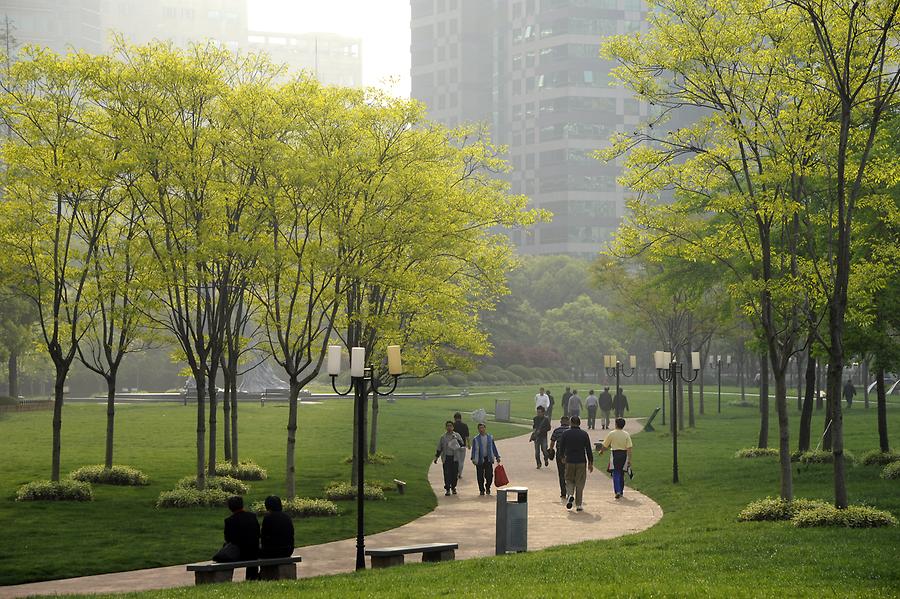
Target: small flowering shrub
[(757, 452), (773, 508), (182, 497), (245, 470), (117, 475), (64, 490), (340, 490), (226, 484), (853, 516), (302, 507)]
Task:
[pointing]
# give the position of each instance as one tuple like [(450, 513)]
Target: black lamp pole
[(360, 387), (666, 375)]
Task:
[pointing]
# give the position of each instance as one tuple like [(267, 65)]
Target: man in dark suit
[(242, 529), (277, 530)]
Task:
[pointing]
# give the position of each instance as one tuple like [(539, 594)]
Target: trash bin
[(512, 520), (501, 410)]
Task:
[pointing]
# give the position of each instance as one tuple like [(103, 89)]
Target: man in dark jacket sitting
[(242, 529), (277, 530)]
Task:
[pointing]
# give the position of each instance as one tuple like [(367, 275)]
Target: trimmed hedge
[(820, 456), (891, 471), (378, 458), (181, 497), (878, 458), (853, 516), (117, 475), (342, 490), (774, 508), (757, 452), (64, 490), (245, 470), (226, 484), (302, 507)]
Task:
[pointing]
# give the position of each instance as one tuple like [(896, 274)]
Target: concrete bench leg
[(211, 577), (387, 561), (281, 572), (439, 556)]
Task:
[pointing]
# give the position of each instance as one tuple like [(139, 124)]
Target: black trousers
[(592, 416), (561, 470), (484, 472), (451, 473)]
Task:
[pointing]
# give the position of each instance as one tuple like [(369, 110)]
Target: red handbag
[(500, 478)]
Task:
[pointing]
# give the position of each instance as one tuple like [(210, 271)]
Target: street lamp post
[(362, 377), (668, 369), (612, 365)]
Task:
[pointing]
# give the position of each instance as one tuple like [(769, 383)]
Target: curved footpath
[(549, 524)]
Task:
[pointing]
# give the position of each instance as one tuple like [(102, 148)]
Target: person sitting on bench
[(242, 531), (277, 536)]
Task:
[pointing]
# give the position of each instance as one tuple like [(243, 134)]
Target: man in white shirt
[(542, 400)]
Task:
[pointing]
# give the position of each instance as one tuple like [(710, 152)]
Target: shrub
[(342, 490), (64, 490), (854, 516), (742, 404), (226, 484), (523, 372), (435, 380), (117, 475), (475, 376), (508, 376), (820, 456), (378, 458), (245, 470), (891, 471), (302, 507), (457, 380), (381, 484), (756, 452), (191, 497), (878, 458), (773, 508)]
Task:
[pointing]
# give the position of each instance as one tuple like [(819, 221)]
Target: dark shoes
[(481, 492), (489, 491), (618, 496), (454, 490), (570, 501), (546, 462), (447, 492)]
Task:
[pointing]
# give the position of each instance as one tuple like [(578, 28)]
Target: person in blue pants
[(619, 442)]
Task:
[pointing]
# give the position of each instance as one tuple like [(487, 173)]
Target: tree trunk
[(200, 381), (211, 466), (763, 401), (741, 377), (835, 372), (702, 373), (829, 419), (784, 439), (799, 382), (882, 410), (373, 435), (13, 374), (806, 413), (58, 397), (692, 422), (110, 417), (226, 418), (819, 400), (291, 471), (235, 456)]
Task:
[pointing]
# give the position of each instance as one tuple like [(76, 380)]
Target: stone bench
[(273, 568), (394, 556)]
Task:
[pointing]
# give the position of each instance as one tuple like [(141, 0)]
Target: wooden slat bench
[(394, 556), (272, 568)]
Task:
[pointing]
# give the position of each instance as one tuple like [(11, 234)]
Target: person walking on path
[(552, 403), (541, 400), (447, 449), (565, 401), (557, 454), (591, 403), (574, 405), (620, 403), (242, 530), (463, 429), (619, 441), (849, 392), (576, 445), (605, 403), (484, 451), (539, 430)]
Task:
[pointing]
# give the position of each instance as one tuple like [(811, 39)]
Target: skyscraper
[(531, 70)]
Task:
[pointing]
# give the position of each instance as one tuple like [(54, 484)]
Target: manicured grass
[(122, 530), (698, 549)]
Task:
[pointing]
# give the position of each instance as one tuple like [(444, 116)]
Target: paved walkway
[(549, 523)]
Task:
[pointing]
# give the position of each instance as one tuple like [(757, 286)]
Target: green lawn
[(698, 549)]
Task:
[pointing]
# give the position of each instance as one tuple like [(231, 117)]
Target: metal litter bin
[(501, 410), (512, 520)]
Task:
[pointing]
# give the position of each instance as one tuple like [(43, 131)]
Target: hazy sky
[(382, 24)]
